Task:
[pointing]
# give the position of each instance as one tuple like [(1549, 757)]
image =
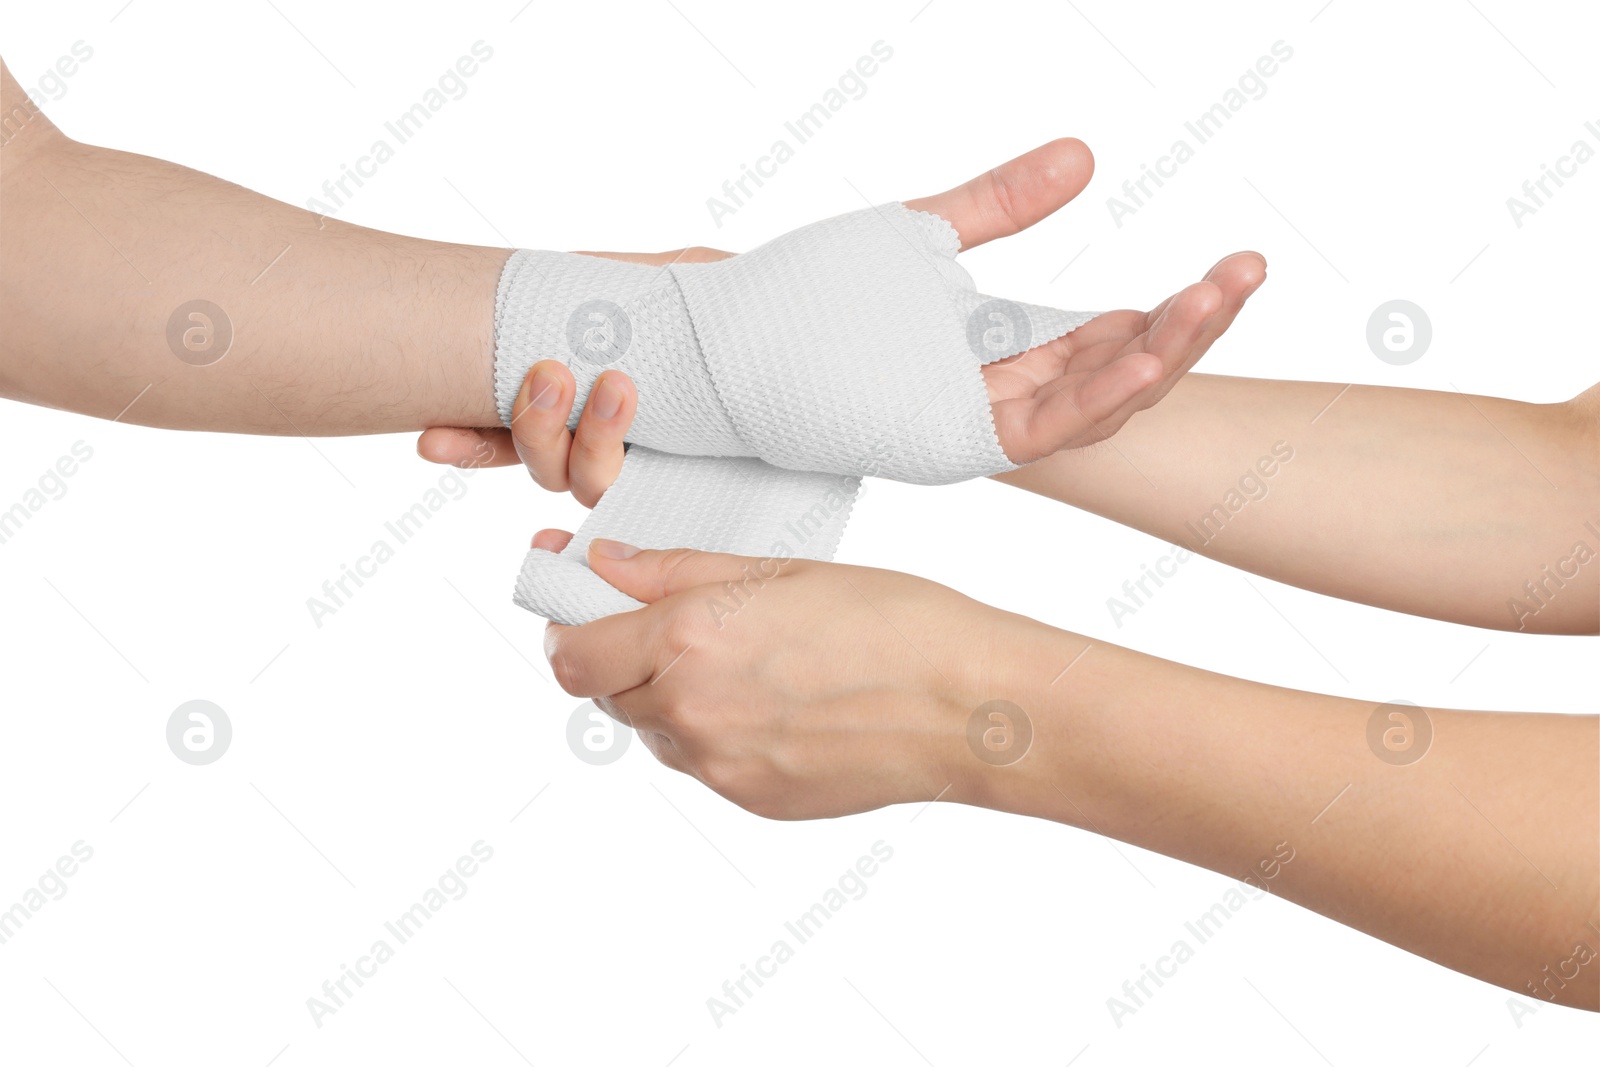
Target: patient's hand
[(1068, 393)]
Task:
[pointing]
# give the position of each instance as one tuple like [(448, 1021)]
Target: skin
[(1450, 506), (390, 333), (1483, 855), (350, 331), (338, 329), (1439, 504), (1432, 503), (1073, 392)]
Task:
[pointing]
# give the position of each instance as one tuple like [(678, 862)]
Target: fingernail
[(601, 546), (546, 390), (607, 399)]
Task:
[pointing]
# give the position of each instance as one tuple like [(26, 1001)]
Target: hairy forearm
[(1474, 841), (335, 329), (1472, 509)]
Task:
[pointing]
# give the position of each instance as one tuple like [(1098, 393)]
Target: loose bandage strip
[(769, 385)]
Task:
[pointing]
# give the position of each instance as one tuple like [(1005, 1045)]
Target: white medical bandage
[(769, 384)]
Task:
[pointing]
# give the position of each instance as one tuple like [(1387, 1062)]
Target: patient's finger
[(1238, 275), (1071, 413), (1174, 335), (1175, 342), (1014, 195)]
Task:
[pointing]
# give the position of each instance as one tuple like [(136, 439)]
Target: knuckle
[(1004, 195), (674, 565), (534, 425), (590, 446), (664, 750), (549, 480), (765, 807), (721, 775), (612, 707), (526, 432), (734, 778), (675, 712), (680, 632), (569, 673), (545, 462)]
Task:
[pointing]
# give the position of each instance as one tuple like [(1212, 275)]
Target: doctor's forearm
[(136, 286)]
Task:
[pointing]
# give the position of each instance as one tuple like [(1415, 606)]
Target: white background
[(370, 753)]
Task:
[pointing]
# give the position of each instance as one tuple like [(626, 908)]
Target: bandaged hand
[(770, 384), (1069, 392)]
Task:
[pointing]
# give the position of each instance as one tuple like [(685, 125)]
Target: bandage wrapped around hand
[(769, 385)]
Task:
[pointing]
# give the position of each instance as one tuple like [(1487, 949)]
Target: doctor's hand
[(795, 689)]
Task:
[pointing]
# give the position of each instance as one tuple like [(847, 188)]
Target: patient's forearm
[(1472, 509), (335, 329)]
